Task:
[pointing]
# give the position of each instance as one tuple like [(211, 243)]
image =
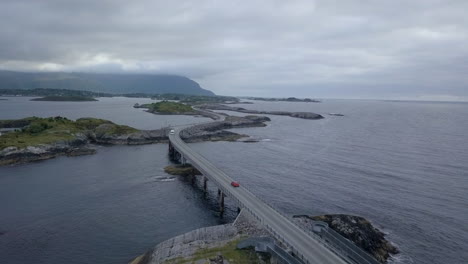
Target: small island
[(289, 99), (57, 98), (168, 108), (303, 115), (33, 131), (34, 138)]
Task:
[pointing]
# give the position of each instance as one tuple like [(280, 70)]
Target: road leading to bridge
[(303, 244)]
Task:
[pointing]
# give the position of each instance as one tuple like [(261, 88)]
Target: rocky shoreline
[(356, 229), (302, 115), (215, 131), (209, 244), (83, 142), (193, 112)]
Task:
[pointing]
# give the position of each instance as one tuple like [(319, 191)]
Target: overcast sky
[(414, 49)]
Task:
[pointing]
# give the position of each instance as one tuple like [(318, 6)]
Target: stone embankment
[(214, 244), (303, 115)]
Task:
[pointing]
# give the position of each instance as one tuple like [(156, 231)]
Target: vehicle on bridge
[(172, 132), (235, 184)]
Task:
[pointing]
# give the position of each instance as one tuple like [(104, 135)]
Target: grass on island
[(181, 170), (195, 99), (56, 98), (228, 251), (166, 107), (36, 131)]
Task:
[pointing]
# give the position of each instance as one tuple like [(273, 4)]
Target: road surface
[(302, 243)]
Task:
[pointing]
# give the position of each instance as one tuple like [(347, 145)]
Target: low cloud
[(369, 49)]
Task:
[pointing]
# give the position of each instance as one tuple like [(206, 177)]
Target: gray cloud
[(323, 48)]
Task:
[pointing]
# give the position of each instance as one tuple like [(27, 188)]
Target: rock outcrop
[(182, 170), (361, 232), (215, 131), (103, 135), (303, 115), (14, 155)]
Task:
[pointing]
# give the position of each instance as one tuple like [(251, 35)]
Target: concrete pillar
[(171, 152), (205, 185), (221, 204)]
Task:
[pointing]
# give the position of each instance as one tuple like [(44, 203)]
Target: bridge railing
[(328, 237)]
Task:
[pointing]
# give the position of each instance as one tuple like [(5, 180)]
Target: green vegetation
[(182, 170), (52, 92), (184, 98), (228, 251), (35, 131), (65, 98), (166, 107), (195, 99), (17, 123)]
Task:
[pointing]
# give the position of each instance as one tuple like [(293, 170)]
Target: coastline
[(104, 134), (224, 241)]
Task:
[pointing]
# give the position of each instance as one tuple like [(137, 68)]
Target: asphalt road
[(306, 245)]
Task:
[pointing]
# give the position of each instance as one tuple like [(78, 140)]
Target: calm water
[(402, 165)]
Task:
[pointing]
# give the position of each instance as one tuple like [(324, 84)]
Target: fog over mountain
[(323, 48), (116, 83)]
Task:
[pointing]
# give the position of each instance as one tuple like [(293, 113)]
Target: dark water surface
[(403, 165)]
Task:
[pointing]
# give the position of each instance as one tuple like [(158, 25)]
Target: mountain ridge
[(103, 82)]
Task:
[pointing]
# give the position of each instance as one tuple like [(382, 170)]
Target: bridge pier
[(172, 152), (221, 204), (205, 185), (176, 156)]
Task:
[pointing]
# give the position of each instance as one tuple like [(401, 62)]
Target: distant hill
[(102, 82)]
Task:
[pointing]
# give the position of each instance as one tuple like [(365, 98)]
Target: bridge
[(303, 244)]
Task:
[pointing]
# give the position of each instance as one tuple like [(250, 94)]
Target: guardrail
[(327, 237)]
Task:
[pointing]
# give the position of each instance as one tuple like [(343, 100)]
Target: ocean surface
[(402, 165)]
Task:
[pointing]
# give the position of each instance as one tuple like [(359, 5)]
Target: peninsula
[(288, 99), (65, 99)]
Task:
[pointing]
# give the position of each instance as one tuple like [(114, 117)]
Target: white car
[(172, 132)]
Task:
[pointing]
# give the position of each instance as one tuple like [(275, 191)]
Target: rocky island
[(358, 230), (54, 98), (43, 138), (34, 138), (288, 99), (303, 115), (168, 108)]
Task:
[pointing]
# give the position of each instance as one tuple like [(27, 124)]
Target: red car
[(235, 184)]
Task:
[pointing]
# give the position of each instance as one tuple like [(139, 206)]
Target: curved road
[(303, 244)]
